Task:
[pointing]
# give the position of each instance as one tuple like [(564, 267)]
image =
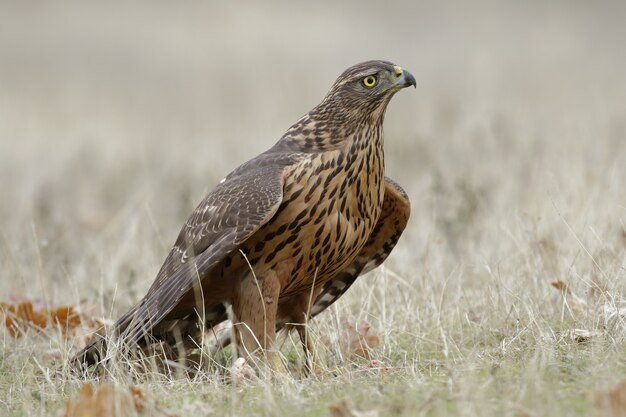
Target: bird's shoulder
[(275, 159), (245, 196)]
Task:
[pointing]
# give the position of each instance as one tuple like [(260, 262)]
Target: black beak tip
[(410, 79)]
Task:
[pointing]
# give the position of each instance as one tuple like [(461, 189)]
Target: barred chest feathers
[(342, 200)]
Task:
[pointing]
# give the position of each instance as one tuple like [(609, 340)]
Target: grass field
[(115, 121)]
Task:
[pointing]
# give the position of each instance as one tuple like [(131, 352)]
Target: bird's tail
[(92, 354), (95, 353)]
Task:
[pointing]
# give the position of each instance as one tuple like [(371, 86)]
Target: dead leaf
[(16, 314), (548, 253), (341, 409), (105, 402), (20, 316), (378, 366), (359, 338), (111, 401), (582, 335), (374, 367), (139, 398), (241, 371), (471, 316), (577, 305), (611, 403)]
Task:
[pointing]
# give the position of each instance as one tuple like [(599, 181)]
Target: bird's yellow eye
[(369, 81)]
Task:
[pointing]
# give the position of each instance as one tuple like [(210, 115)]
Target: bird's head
[(364, 90)]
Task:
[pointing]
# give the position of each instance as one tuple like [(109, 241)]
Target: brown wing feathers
[(244, 202)]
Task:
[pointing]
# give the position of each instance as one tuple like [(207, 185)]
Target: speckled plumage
[(285, 234)]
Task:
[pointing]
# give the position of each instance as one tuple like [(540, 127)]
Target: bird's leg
[(312, 362), (298, 309), (254, 306)]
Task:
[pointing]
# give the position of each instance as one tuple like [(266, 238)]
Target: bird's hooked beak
[(403, 78)]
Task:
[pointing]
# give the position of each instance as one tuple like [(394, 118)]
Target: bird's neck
[(322, 132)]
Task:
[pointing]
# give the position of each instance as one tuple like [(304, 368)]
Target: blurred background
[(117, 117)]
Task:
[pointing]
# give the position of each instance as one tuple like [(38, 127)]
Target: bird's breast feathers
[(331, 203)]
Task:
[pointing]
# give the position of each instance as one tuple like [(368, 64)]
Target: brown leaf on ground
[(341, 409), (139, 398), (576, 305), (611, 403), (359, 338), (548, 252), (241, 371), (19, 316), (582, 335), (374, 367), (110, 401), (378, 366)]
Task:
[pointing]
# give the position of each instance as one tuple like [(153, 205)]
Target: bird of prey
[(285, 234)]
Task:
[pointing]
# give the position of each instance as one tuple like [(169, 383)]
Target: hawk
[(285, 234)]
